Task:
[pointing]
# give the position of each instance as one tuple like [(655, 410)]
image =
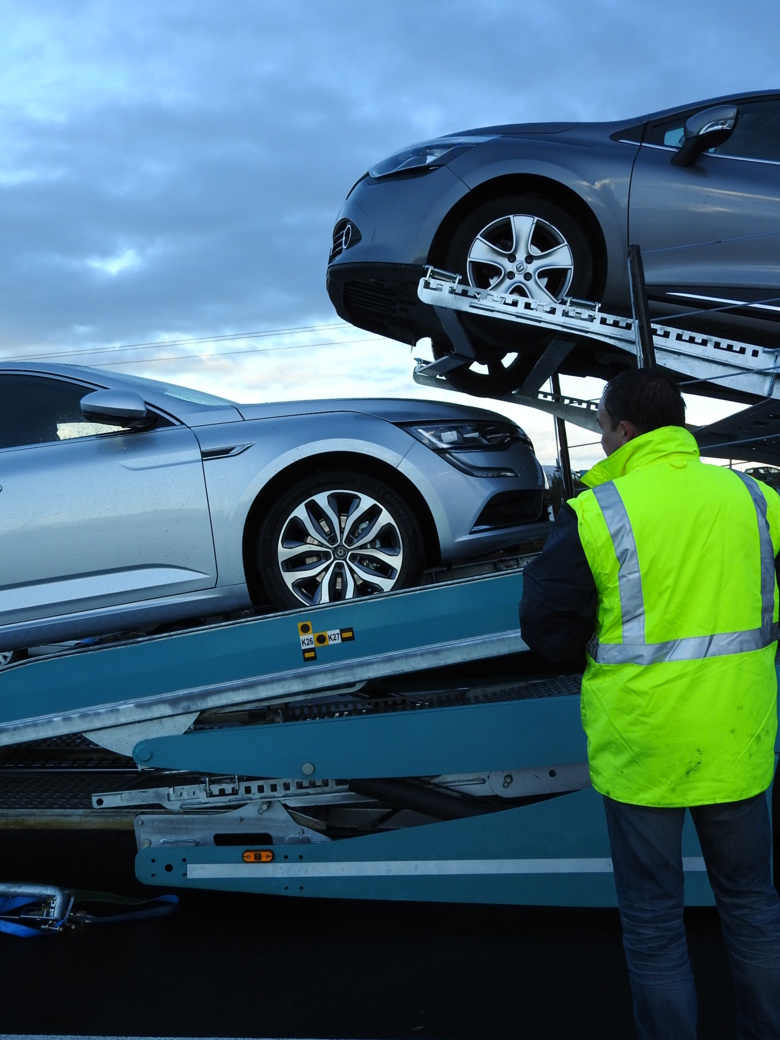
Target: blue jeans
[(647, 860)]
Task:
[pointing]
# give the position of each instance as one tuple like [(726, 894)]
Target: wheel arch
[(526, 184), (321, 464)]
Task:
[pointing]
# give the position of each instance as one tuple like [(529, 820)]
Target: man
[(663, 577)]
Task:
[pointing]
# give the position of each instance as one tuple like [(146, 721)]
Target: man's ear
[(628, 430)]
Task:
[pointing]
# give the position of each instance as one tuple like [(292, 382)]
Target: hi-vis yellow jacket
[(679, 696)]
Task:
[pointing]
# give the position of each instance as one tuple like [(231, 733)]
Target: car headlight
[(454, 440), (426, 155)]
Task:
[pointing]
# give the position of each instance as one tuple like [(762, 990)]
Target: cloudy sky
[(171, 170)]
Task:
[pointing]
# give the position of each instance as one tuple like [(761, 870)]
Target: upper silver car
[(548, 210), (128, 502)]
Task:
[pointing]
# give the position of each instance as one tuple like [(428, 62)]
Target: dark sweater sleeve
[(558, 606)]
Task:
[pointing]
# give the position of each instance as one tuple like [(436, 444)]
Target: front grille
[(510, 508), (390, 308), (373, 299)]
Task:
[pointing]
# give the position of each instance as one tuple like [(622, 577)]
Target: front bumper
[(382, 298)]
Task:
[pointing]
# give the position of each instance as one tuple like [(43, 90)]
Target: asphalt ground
[(230, 965)]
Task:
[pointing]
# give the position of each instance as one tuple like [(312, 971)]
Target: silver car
[(548, 210), (127, 502)]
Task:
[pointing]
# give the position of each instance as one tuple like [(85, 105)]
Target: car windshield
[(179, 393)]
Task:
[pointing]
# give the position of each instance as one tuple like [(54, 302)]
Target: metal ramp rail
[(746, 367), (156, 685)]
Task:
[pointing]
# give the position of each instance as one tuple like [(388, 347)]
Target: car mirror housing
[(704, 130), (117, 408)]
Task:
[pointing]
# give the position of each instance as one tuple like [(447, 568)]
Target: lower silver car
[(128, 502)]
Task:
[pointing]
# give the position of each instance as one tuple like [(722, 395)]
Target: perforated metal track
[(49, 783)]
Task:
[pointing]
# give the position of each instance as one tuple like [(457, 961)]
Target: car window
[(756, 135), (178, 393), (39, 409), (769, 474)]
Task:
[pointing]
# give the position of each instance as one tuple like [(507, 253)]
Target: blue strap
[(11, 920), (14, 927)]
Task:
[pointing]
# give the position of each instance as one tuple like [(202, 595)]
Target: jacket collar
[(640, 452)]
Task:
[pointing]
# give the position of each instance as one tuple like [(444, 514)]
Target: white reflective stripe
[(411, 868), (400, 868), (767, 551), (692, 648), (632, 602), (634, 648)]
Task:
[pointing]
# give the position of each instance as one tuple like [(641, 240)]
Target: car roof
[(392, 409), (724, 99), (617, 124), (152, 389)]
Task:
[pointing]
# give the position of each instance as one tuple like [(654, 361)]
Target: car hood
[(584, 130), (395, 410), (517, 128)]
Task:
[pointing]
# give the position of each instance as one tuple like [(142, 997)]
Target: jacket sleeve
[(558, 606)]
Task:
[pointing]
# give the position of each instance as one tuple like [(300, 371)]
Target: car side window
[(673, 136), (756, 135), (40, 409)]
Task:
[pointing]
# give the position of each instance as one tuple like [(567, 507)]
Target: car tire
[(556, 262), (337, 537)]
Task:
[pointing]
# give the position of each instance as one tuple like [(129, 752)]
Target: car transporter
[(403, 746)]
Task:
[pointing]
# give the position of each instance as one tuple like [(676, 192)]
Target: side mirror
[(705, 130), (117, 408)]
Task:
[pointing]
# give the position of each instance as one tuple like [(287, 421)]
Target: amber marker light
[(258, 856)]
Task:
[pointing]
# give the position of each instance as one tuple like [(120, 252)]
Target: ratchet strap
[(32, 910)]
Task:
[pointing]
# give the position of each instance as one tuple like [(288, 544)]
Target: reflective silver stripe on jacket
[(634, 648)]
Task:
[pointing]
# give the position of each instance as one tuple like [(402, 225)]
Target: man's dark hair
[(647, 397)]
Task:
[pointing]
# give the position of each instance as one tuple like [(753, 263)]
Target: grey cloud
[(200, 150)]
